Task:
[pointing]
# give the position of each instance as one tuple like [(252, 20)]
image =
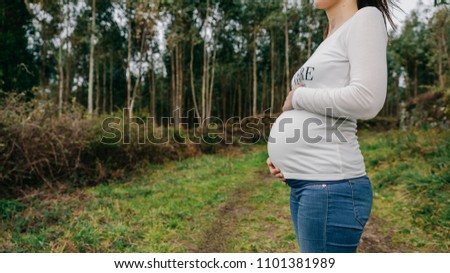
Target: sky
[(408, 6)]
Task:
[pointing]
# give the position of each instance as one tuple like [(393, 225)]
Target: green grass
[(411, 177), (168, 208), (227, 203)]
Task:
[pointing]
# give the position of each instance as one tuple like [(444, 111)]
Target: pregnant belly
[(299, 144)]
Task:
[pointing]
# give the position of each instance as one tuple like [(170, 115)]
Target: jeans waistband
[(299, 183)]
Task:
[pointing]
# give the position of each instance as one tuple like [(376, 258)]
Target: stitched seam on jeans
[(293, 196), (298, 222), (354, 207), (365, 180), (326, 223)]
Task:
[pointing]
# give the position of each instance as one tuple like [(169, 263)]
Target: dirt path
[(216, 237), (373, 241)]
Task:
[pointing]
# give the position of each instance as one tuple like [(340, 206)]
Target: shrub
[(40, 147)]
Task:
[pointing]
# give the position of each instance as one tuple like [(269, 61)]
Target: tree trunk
[(272, 71), (180, 80), (191, 69), (444, 44), (61, 80), (255, 82), (176, 97), (239, 98), (152, 87), (444, 50), (263, 99), (153, 90), (42, 70), (203, 93), (286, 41), (138, 80), (97, 86), (223, 89), (233, 100), (68, 64), (104, 87), (386, 107), (44, 82), (111, 106), (397, 99), (279, 95), (408, 82), (91, 64), (211, 86), (205, 69), (282, 87), (139, 98), (440, 70), (207, 87), (128, 72), (415, 79), (67, 78), (249, 87), (172, 81)]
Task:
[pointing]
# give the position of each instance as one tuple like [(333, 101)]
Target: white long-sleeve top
[(348, 72), (345, 80)]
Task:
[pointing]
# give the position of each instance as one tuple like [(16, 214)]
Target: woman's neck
[(338, 14)]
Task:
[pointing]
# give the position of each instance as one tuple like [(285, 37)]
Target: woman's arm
[(364, 97)]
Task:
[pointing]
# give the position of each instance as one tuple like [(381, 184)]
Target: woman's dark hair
[(385, 6)]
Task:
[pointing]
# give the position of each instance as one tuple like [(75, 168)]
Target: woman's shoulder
[(369, 13), (367, 19), (368, 22)]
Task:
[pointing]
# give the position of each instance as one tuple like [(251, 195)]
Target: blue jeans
[(329, 216)]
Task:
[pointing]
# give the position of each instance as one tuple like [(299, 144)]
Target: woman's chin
[(321, 4)]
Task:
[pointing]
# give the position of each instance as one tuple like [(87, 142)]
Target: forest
[(219, 58), (66, 66)]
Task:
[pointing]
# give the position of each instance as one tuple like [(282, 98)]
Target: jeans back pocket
[(362, 199)]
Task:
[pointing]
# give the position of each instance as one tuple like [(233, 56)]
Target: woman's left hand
[(288, 101), (275, 171)]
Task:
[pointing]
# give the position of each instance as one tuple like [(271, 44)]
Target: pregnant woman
[(313, 145)]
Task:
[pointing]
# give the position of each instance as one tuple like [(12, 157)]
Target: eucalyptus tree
[(18, 70), (91, 61), (253, 21), (414, 49), (439, 34), (396, 72), (271, 23), (176, 38), (203, 23), (39, 33), (145, 22)]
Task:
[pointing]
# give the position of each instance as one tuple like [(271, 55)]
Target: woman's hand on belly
[(275, 171), (288, 101)]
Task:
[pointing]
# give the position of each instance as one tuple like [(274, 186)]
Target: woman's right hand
[(288, 101), (275, 171)]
